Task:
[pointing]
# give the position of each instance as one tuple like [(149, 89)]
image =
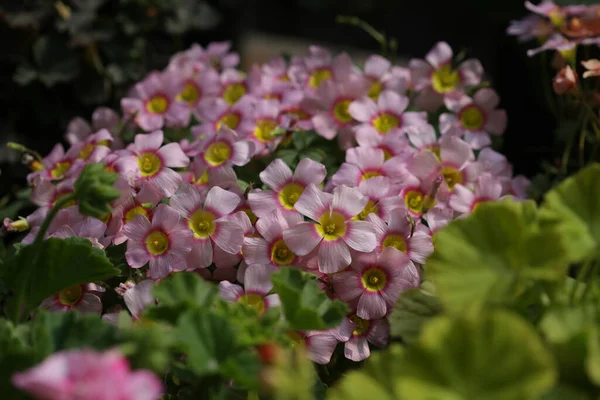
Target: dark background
[(132, 37)]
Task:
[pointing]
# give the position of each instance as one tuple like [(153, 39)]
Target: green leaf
[(304, 305), (566, 392), (34, 274), (52, 332), (148, 346), (15, 355), (413, 309), (574, 206), (178, 293), (207, 339), (494, 255), (493, 355)]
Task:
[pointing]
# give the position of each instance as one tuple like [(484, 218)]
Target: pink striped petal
[(186, 200), (242, 152), (148, 141), (229, 236), (363, 110), (230, 291), (379, 332), (166, 181), (439, 55), (455, 151), (136, 255), (263, 202), (321, 347), (89, 303), (201, 255), (302, 238), (348, 174), (392, 102), (138, 297), (221, 202), (357, 349), (165, 218), (225, 261), (309, 171), (172, 156), (360, 235), (256, 251), (348, 201), (137, 228), (347, 285), (258, 279), (276, 175), (371, 306), (313, 202), (376, 66), (334, 256)]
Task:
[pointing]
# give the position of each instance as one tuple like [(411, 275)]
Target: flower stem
[(583, 271)]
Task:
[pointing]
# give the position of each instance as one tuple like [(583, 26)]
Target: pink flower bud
[(565, 81)]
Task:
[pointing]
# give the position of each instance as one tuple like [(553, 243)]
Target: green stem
[(546, 86), (591, 275), (60, 203), (355, 21), (23, 149), (582, 272)]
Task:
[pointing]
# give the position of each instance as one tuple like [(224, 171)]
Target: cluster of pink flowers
[(561, 28), (365, 232)]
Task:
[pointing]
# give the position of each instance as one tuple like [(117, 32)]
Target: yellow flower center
[(157, 104), (253, 300), (202, 223), (60, 168), (395, 241), (138, 210), (445, 79), (149, 164), (557, 18), (289, 195), (157, 243), (414, 201), (70, 295), (375, 90), (318, 76), (233, 92), (374, 279), (472, 118), (190, 94), (231, 120), (435, 149), (385, 122), (86, 151), (332, 227), (264, 130), (203, 179), (370, 208), (217, 153), (340, 111), (452, 176), (281, 253), (369, 174), (361, 326)]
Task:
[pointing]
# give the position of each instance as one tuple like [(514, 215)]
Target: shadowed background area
[(62, 59)]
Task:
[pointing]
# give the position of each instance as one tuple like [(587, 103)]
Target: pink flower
[(333, 232), (364, 163), (296, 111), (374, 282), (399, 234), (102, 118), (217, 55), (224, 149), (164, 242), (530, 27), (95, 147), (333, 101), (268, 84), (565, 81), (84, 374), (475, 118), (153, 102), (205, 222), (83, 298), (592, 66), (383, 76), (386, 117), (155, 162), (271, 249), (233, 86), (435, 77), (437, 218), (59, 165), (257, 285), (518, 187), (320, 66), (220, 114), (495, 163), (363, 332), (197, 88), (265, 122), (455, 164), (383, 198), (136, 296), (320, 345), (487, 188), (287, 187), (224, 260)]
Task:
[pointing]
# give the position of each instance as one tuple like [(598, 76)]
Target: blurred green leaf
[(574, 205), (413, 309), (33, 273), (494, 254), (304, 305)]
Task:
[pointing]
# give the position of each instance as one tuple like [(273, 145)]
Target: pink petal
[(138, 297), (225, 262), (258, 279), (348, 174), (229, 236), (471, 72), (221, 202), (486, 98), (420, 245), (309, 171), (379, 332), (496, 122), (455, 151), (363, 110), (348, 201), (256, 251), (172, 156), (392, 102), (242, 152), (425, 165), (201, 255), (334, 256), (399, 222), (89, 303), (439, 55), (229, 291), (347, 285), (263, 202), (376, 66), (371, 306), (360, 235), (186, 200), (357, 349), (276, 175), (313, 202), (302, 238), (148, 141), (325, 125), (165, 217), (137, 228), (167, 181), (321, 348), (136, 255)]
